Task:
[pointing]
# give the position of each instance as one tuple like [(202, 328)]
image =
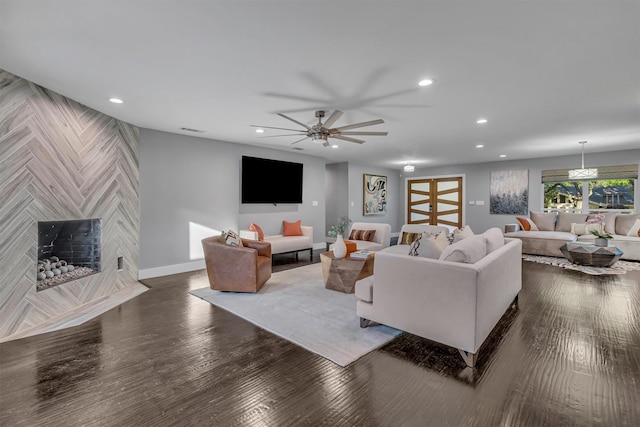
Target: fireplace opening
[(67, 250)]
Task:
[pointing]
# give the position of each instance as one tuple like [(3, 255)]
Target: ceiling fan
[(321, 132)]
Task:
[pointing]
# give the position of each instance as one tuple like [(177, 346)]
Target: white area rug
[(620, 267), (295, 305)]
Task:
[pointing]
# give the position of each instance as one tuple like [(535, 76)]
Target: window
[(613, 190)]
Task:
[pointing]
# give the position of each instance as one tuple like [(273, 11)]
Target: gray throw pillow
[(566, 219), (545, 221), (624, 223)]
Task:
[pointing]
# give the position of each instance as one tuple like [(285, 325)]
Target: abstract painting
[(509, 193), (375, 195)]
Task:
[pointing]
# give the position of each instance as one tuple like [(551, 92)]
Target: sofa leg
[(364, 322), (310, 254), (469, 358), (515, 301)]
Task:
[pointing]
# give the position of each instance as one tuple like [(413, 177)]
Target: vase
[(601, 241), (339, 247)]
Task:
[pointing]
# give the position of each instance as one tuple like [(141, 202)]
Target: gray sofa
[(554, 230)]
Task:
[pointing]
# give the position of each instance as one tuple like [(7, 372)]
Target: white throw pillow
[(494, 238), (635, 229), (462, 233), (428, 248), (442, 240), (232, 238), (469, 250), (580, 229)]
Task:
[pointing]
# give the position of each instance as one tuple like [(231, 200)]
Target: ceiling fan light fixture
[(583, 173), (409, 167), (426, 82)]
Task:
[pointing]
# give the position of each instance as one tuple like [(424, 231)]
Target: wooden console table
[(342, 274)]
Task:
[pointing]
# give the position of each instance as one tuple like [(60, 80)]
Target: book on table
[(361, 254)]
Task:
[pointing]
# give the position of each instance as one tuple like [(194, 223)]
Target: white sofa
[(453, 303), (286, 244), (401, 248), (381, 240)]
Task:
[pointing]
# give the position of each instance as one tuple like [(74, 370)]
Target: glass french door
[(436, 201)]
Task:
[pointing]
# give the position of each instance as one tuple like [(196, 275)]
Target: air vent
[(192, 130)]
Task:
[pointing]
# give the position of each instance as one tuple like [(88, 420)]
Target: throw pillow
[(624, 223), (442, 240), (582, 229), (408, 238), (292, 228), (634, 231), (469, 250), (545, 221), (415, 245), (257, 229), (232, 239), (366, 235), (527, 224), (462, 233), (426, 247), (494, 239), (566, 219)]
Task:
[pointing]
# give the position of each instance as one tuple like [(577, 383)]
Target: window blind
[(604, 172)]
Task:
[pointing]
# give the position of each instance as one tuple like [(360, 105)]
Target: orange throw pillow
[(351, 246), (527, 224), (257, 229), (292, 228)]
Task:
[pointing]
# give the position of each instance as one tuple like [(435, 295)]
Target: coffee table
[(589, 254), (342, 274)]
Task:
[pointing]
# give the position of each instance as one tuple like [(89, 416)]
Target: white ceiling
[(546, 74)]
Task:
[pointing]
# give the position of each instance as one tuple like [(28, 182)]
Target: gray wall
[(193, 180), (337, 192), (477, 181)]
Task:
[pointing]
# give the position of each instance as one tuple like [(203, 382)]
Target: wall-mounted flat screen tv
[(271, 181)]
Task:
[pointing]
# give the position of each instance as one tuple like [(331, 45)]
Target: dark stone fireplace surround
[(72, 242)]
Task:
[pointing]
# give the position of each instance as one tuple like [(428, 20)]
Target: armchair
[(237, 269)]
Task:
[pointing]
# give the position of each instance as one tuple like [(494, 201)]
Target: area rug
[(620, 267), (295, 305)]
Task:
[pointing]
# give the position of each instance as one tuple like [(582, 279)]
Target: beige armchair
[(234, 268)]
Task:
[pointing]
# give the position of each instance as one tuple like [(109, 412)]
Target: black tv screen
[(271, 181)]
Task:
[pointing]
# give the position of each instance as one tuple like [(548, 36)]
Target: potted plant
[(602, 237), (337, 231)]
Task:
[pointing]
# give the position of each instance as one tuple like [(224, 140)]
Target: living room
[(159, 191)]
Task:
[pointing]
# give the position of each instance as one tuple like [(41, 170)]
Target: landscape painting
[(509, 193)]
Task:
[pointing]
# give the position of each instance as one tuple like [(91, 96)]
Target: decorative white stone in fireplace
[(68, 250)]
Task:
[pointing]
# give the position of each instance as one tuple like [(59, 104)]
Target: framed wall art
[(509, 192), (375, 195)]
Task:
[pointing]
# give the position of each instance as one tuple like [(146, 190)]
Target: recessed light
[(426, 82), (503, 155), (479, 146), (481, 121), (116, 100), (334, 146), (259, 130)]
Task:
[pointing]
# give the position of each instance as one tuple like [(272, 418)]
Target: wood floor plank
[(568, 354)]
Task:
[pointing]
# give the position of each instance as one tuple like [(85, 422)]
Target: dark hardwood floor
[(569, 354)]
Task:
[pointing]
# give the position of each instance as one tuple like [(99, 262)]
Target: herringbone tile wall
[(61, 160)]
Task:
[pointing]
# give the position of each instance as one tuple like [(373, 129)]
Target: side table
[(342, 274)]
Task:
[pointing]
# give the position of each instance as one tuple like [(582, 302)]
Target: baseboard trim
[(149, 273)]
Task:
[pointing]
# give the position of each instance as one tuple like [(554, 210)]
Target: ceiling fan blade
[(284, 134), (365, 133), (271, 127), (300, 140), (333, 118), (295, 121), (346, 138), (358, 125)]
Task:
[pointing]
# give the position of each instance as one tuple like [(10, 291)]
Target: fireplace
[(67, 250)]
